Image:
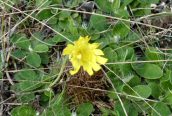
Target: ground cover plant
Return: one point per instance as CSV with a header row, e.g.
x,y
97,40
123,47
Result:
x,y
85,58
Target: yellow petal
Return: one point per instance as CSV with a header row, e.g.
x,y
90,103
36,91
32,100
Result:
x,y
82,41
88,69
87,38
96,67
72,72
101,60
75,62
98,52
68,49
94,45
76,65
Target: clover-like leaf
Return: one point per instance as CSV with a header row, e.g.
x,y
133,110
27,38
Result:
x,y
40,48
85,109
162,109
23,110
33,59
148,71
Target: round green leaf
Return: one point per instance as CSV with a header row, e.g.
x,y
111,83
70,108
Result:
x,y
23,111
19,53
148,71
168,98
108,54
152,54
134,81
165,85
121,29
33,59
162,109
85,109
21,41
98,22
143,90
156,92
27,80
41,48
44,58
26,74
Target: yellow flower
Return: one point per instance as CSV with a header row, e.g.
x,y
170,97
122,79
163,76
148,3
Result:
x,y
84,54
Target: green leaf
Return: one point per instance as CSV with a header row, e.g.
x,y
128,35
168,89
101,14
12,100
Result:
x,y
42,3
98,22
19,53
166,85
111,58
126,2
28,80
119,109
134,81
1,75
40,48
72,26
108,54
21,41
156,91
57,39
63,15
85,109
105,5
167,76
168,98
162,109
143,90
121,29
23,110
26,97
148,71
103,41
107,112
25,74
148,1
116,4
33,59
133,111
44,58
154,54
44,14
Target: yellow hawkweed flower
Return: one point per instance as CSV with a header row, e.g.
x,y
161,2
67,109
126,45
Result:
x,y
84,54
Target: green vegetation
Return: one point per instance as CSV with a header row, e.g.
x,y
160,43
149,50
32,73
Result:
x,y
35,78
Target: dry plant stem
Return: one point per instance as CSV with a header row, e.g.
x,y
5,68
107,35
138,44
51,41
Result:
x,y
135,62
60,73
9,78
1,106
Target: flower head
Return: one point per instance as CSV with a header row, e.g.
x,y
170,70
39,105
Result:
x,y
86,55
